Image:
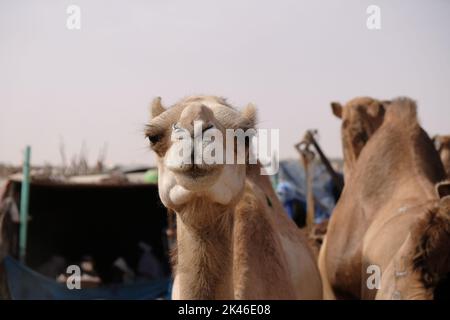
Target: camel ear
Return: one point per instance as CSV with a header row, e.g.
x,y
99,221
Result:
x,y
443,189
249,116
336,107
436,142
376,108
156,107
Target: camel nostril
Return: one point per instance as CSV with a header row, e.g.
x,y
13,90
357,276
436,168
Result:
x,y
176,128
210,126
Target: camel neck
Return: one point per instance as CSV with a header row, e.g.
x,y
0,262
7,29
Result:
x,y
205,252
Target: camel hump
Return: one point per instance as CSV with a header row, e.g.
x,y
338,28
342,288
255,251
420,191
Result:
x,y
443,190
403,109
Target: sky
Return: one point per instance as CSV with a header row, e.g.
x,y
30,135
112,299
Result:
x,y
290,58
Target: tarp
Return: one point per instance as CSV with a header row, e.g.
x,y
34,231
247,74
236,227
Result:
x,y
292,185
133,213
26,284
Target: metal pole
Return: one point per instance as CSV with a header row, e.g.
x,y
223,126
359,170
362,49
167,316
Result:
x,y
24,201
338,181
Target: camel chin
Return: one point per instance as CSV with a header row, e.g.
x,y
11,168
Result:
x,y
220,185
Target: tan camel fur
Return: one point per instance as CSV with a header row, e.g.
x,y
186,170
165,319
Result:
x,y
390,217
234,240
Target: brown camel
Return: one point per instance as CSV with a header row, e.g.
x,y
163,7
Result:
x,y
361,117
390,222
234,241
442,144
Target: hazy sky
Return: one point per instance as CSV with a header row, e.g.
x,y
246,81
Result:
x,y
291,58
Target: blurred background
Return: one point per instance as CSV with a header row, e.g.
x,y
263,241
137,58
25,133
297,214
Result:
x,y
79,98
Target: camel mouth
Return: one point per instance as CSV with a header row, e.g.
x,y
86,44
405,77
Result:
x,y
198,172
197,178
195,170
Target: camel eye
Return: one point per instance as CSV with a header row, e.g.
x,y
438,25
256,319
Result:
x,y
155,138
362,137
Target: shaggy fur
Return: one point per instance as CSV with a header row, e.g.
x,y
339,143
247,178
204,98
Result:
x,y
432,254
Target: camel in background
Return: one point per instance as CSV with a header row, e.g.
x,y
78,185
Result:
x,y
393,215
234,240
442,144
361,117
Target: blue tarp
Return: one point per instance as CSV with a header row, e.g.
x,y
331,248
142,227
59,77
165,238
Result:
x,y
292,186
26,284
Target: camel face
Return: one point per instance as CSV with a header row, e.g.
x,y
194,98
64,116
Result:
x,y
189,140
361,117
193,175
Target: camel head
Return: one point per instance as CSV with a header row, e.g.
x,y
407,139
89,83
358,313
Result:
x,y
442,144
361,117
190,142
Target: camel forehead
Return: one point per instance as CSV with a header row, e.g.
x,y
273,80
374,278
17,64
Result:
x,y
201,107
356,105
196,112
216,104
360,101
206,100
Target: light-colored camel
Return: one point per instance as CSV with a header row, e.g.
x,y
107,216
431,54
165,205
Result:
x,y
361,117
234,241
390,217
442,144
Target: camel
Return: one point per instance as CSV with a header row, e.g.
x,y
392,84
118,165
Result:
x,y
392,222
361,117
442,144
234,240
